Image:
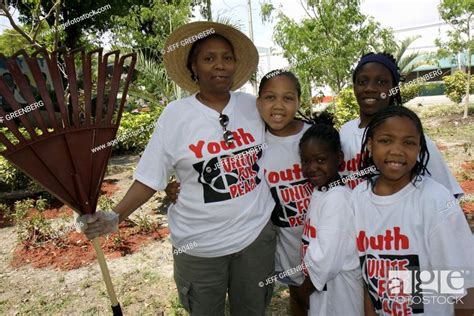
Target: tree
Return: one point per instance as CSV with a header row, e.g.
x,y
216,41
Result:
x,y
11,41
405,61
44,18
406,64
48,15
146,26
205,8
325,45
459,15
144,29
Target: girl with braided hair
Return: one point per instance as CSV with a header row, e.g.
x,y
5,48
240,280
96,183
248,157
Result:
x,y
333,275
407,226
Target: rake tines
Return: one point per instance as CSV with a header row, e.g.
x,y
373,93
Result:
x,y
55,116
54,132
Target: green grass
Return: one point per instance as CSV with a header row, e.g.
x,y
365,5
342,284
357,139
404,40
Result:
x,y
176,307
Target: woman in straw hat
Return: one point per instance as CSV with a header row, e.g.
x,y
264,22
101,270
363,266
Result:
x,y
213,140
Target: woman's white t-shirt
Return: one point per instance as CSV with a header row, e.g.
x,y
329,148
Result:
x,y
224,202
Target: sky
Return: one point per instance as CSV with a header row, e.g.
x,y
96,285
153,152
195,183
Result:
x,y
400,15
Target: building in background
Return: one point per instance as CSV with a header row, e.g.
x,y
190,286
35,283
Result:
x,y
435,86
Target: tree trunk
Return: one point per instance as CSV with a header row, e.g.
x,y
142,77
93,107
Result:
x,y
209,12
468,84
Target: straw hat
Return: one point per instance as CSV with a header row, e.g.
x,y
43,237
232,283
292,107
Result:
x,y
179,43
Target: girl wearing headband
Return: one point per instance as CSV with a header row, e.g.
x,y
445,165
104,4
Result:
x,y
376,78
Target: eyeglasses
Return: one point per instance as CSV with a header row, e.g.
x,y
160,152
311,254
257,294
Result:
x,y
228,136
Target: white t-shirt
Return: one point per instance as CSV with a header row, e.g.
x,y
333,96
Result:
x,y
351,141
292,194
223,203
330,253
420,229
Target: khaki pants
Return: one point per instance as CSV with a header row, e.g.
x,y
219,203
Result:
x,y
203,282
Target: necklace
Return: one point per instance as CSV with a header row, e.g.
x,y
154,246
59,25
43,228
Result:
x,y
217,108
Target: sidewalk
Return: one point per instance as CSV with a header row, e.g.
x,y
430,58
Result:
x,y
436,100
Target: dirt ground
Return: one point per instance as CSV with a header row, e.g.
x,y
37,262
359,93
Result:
x,y
143,280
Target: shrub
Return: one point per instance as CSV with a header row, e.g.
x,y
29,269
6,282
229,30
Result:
x,y
433,88
11,178
410,91
21,210
31,229
135,130
345,107
41,204
456,86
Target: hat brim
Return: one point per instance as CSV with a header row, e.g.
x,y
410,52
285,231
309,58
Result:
x,y
179,43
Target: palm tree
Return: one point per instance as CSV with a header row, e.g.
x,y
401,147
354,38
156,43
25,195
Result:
x,y
405,63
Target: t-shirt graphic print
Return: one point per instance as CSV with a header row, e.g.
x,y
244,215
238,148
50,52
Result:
x,y
377,270
229,176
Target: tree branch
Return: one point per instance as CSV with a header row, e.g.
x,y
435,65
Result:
x,y
56,21
45,17
17,28
304,8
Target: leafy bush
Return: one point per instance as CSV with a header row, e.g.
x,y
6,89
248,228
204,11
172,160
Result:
x,y
135,130
21,210
41,204
433,88
345,107
456,86
31,229
11,178
410,91
105,203
143,222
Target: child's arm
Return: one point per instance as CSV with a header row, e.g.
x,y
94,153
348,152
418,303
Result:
x,y
307,286
467,307
369,309
172,191
327,250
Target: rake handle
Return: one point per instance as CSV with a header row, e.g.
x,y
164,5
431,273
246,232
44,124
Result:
x,y
116,309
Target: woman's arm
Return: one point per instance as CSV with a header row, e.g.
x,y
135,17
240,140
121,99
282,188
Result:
x,y
103,222
136,196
